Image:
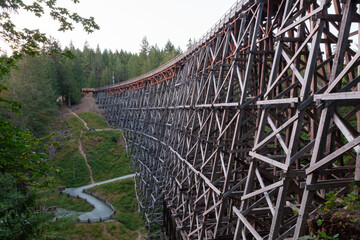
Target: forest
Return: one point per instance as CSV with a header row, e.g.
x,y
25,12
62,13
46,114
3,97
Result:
x,y
42,83
37,78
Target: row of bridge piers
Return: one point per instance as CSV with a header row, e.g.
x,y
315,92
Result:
x,y
243,135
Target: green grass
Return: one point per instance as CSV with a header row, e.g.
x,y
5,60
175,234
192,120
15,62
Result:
x,y
106,154
127,225
69,159
107,157
76,126
68,229
49,198
93,120
121,194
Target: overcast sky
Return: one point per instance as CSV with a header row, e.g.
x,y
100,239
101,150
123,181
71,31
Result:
x,y
124,23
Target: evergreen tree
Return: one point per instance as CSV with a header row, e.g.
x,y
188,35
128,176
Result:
x,y
106,77
88,66
98,66
32,87
74,78
169,52
134,66
154,59
23,164
191,42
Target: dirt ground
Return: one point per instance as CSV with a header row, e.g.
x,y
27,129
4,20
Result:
x,y
87,104
345,223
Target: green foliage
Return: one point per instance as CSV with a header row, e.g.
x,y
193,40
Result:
x,y
93,120
106,154
49,198
32,88
23,163
8,105
23,166
59,229
191,42
22,156
67,229
331,202
344,212
69,158
128,224
350,201
324,236
76,126
28,41
17,220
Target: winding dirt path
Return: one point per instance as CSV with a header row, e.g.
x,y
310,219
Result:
x,y
139,235
85,158
81,147
85,123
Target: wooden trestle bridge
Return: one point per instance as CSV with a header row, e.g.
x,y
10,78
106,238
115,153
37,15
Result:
x,y
243,135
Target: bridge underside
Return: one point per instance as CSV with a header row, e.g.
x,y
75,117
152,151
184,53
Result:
x,y
243,135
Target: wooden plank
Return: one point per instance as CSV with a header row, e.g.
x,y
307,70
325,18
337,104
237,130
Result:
x,y
301,20
278,136
262,190
332,157
328,184
269,161
344,130
247,224
278,101
274,133
273,84
337,96
342,74
293,68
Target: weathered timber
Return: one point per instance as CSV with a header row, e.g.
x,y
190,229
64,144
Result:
x,y
243,135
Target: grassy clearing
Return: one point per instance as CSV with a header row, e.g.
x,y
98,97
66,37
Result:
x,y
93,120
69,159
67,229
128,222
107,157
50,198
121,194
76,126
106,154
75,171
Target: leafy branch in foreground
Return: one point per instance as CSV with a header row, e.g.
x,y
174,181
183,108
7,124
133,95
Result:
x,y
23,162
22,155
29,41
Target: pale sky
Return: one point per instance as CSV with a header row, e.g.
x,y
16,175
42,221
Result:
x,y
124,23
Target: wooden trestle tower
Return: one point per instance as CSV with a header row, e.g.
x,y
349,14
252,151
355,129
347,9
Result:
x,y
243,135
